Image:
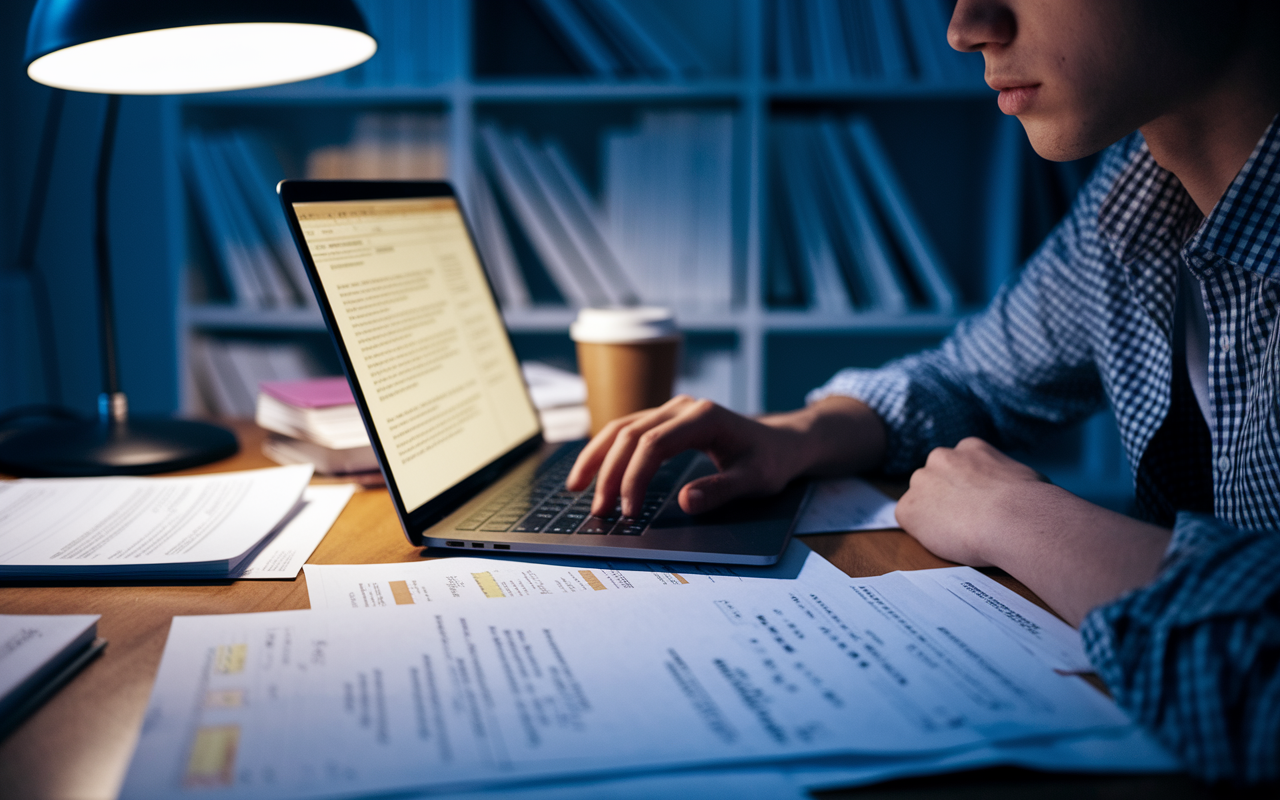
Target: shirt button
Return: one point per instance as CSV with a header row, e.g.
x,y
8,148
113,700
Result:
x,y
1224,463
1225,342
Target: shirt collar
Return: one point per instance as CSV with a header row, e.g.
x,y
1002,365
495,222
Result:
x,y
1244,227
1148,212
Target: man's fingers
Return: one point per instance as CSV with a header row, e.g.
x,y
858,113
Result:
x,y
621,451
713,491
693,427
589,460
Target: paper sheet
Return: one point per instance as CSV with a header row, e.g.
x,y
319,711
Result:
x,y
846,504
465,578
196,526
1128,749
283,555
1040,632
308,703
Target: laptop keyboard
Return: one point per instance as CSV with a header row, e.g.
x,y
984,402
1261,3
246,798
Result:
x,y
541,504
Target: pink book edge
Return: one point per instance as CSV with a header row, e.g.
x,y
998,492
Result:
x,y
311,393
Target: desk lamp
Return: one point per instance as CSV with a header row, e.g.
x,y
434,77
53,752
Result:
x,y
117,47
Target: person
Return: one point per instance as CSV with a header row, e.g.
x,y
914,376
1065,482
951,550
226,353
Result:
x,y
1158,294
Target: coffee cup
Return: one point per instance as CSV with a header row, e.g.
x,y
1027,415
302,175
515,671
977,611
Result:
x,y
627,357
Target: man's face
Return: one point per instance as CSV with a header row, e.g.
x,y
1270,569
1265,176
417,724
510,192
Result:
x,y
1081,74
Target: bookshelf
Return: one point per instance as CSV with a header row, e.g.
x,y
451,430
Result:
x,y
504,68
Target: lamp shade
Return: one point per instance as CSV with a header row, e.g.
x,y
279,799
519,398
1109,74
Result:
x,y
184,46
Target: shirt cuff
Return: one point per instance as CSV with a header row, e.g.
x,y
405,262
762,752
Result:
x,y
885,391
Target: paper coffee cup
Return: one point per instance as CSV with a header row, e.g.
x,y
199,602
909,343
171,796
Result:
x,y
627,357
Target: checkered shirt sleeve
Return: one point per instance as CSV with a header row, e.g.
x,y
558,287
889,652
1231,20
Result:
x,y
1194,656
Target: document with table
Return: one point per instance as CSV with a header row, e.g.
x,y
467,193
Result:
x,y
480,691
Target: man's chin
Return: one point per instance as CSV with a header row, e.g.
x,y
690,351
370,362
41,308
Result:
x,y
1053,143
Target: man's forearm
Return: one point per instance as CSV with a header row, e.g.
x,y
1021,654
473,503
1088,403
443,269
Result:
x,y
835,436
1074,555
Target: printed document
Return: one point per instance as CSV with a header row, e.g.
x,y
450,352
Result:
x,y
846,504
465,578
327,702
1038,631
197,526
283,555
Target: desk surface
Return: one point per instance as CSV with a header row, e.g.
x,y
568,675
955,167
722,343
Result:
x,y
79,744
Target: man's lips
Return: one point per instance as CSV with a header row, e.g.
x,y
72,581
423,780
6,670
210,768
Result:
x,y
1015,99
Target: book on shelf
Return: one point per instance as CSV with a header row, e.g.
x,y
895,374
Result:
x,y
621,39
417,45
830,41
663,234
226,371
38,655
847,234
232,175
385,146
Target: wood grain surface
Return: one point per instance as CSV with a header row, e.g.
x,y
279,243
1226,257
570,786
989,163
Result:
x,y
78,745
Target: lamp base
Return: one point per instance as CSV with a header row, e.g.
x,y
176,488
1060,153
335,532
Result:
x,y
142,446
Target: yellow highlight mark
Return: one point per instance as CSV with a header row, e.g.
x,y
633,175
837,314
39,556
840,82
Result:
x,y
224,698
400,591
230,658
592,580
213,756
679,577
487,584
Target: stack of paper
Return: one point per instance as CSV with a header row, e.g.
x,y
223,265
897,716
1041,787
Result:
x,y
202,526
485,673
561,399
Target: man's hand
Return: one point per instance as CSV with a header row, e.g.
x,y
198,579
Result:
x,y
959,499
755,457
974,505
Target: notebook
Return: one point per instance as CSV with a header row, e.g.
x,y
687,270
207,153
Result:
x,y
435,376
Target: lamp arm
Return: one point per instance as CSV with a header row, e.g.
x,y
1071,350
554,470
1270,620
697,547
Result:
x,y
111,403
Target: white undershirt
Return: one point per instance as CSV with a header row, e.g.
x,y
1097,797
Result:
x,y
1196,340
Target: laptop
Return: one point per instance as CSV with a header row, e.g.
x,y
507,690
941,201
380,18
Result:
x,y
436,379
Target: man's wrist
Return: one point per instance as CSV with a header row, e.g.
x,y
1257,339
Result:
x,y
835,435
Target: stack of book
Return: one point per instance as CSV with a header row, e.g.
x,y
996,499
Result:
x,y
829,41
848,238
663,234
622,39
316,421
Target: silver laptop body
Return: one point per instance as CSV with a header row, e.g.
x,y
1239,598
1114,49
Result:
x,y
435,376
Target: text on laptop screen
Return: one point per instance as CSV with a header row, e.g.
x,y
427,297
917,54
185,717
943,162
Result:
x,y
425,340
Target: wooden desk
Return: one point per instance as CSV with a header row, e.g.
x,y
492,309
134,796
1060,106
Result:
x,y
79,744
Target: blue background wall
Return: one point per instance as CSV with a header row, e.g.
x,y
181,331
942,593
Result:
x,y
145,289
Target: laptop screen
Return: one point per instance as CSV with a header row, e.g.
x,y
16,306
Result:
x,y
426,342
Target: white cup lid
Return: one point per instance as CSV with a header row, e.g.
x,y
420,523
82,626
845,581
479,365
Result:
x,y
623,325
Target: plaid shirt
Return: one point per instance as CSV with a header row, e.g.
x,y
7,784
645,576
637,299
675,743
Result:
x,y
1089,322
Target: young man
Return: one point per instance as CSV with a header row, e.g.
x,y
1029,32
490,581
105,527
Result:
x,y
1159,294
